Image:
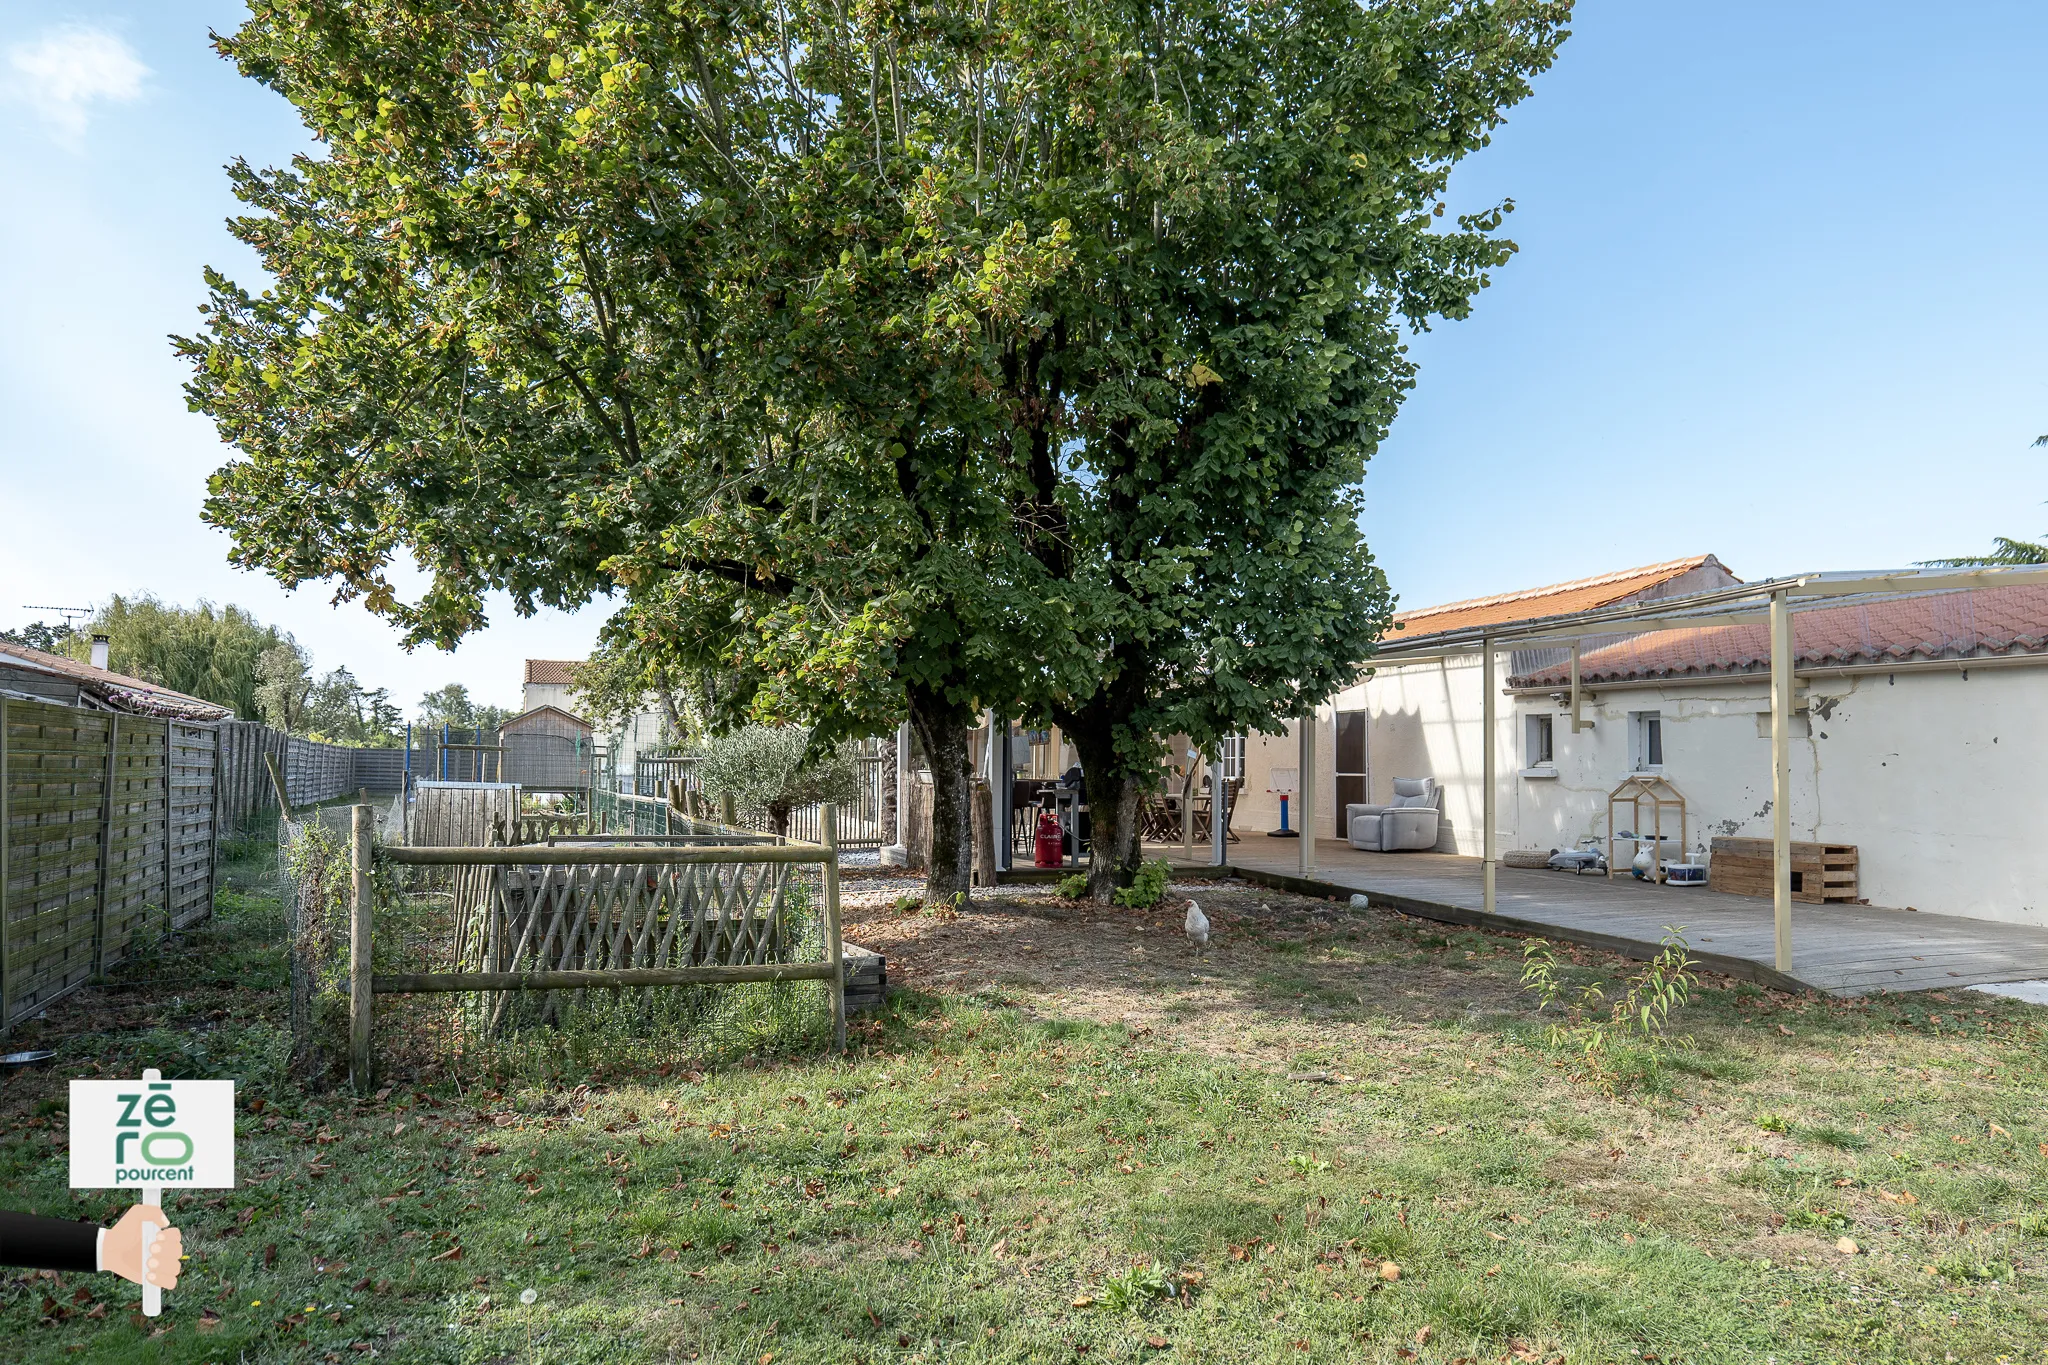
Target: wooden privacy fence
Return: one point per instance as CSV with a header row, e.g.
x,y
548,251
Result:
x,y
313,772
107,841
593,914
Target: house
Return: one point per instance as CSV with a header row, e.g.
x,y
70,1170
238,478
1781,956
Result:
x,y
33,675
548,682
551,683
1917,732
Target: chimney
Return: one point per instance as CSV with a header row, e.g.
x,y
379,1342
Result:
x,y
99,651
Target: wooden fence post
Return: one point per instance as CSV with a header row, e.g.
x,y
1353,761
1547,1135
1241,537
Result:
x,y
835,951
99,917
284,802
729,810
359,953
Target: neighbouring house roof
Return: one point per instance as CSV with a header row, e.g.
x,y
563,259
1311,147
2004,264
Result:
x,y
1557,599
1970,623
540,713
552,672
116,691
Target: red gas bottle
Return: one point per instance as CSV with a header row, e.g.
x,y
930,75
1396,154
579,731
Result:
x,y
1050,848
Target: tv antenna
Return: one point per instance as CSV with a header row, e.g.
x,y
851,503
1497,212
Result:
x,y
68,613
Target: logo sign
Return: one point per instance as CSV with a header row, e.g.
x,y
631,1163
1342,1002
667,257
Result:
x,y
175,1134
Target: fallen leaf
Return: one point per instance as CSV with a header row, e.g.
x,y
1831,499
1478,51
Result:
x,y
1846,1245
1156,1343
1083,1300
451,1254
1422,1335
1389,1271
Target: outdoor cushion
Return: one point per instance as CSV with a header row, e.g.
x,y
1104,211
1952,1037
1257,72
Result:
x,y
1362,827
1407,830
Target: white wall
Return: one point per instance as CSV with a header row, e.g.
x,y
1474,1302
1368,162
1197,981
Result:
x,y
535,695
1940,779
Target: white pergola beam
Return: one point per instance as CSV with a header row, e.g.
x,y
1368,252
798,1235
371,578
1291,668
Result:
x,y
1306,796
1781,777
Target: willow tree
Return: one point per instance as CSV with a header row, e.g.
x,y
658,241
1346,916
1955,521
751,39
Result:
x,y
902,358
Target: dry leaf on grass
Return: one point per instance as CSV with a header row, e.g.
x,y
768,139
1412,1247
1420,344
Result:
x,y
1389,1271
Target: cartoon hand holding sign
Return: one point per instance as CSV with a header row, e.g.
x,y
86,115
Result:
x,y
148,1134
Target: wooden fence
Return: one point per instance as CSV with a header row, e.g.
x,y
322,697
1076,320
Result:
x,y
313,772
108,827
462,814
601,916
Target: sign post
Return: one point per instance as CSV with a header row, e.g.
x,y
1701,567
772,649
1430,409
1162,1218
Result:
x,y
151,1133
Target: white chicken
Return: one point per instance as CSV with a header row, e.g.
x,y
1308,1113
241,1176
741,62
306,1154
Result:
x,y
1197,926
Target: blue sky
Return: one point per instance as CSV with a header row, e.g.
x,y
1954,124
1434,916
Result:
x,y
1781,296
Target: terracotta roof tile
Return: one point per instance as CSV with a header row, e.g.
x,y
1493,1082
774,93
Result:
x,y
1965,624
551,672
1530,604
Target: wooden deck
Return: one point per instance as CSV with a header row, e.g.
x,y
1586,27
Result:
x,y
1840,949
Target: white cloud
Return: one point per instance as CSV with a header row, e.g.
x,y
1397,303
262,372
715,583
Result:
x,y
63,73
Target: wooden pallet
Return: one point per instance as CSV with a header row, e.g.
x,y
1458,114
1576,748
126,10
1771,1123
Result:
x,y
1820,872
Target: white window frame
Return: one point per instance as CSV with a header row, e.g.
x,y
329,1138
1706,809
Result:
x,y
1232,753
1646,741
1539,732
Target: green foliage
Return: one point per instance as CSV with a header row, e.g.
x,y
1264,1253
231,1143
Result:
x,y
1146,888
202,651
1074,886
776,770
1635,1023
2005,550
340,710
1134,1289
623,675
454,707
1027,356
50,639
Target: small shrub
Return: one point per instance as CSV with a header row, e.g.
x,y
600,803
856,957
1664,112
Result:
x,y
1774,1123
1146,888
1073,888
909,905
1634,1024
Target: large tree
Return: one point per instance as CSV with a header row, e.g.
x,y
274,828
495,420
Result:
x,y
203,650
1261,221
864,350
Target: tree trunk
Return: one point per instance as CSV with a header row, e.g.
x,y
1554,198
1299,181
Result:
x,y
1113,799
942,729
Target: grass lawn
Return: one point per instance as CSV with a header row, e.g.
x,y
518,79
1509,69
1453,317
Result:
x,y
1068,1139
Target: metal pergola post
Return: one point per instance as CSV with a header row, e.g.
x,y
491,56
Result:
x,y
1218,811
1486,747
1781,775
1305,797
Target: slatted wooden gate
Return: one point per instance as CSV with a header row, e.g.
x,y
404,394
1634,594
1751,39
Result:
x,y
594,914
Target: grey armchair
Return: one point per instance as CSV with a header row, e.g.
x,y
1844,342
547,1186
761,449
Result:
x,y
1409,822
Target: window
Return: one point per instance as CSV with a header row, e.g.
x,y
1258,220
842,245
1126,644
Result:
x,y
1537,736
1646,745
1233,758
